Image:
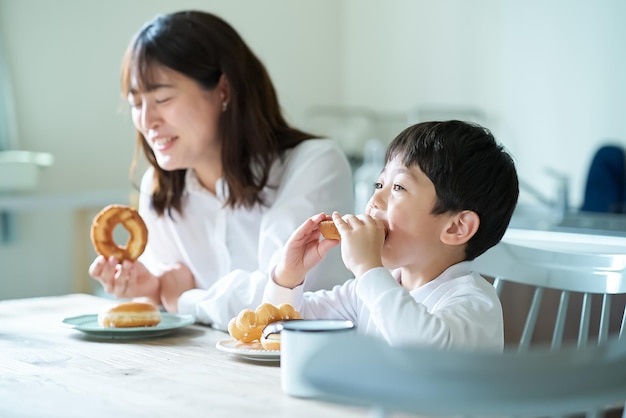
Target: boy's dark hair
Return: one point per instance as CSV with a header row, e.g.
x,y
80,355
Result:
x,y
470,171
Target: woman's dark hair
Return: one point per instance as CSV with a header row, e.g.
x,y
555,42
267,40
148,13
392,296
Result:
x,y
470,171
253,131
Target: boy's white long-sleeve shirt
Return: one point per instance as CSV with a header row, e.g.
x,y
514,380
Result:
x,y
457,309
230,251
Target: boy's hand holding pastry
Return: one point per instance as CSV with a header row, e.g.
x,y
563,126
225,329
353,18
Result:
x,y
303,251
362,240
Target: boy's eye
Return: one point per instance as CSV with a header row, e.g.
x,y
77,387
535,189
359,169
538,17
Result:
x,y
397,187
378,185
162,100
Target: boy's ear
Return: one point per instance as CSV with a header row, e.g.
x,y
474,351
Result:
x,y
461,228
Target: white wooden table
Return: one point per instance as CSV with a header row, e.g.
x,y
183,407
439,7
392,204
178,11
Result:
x,y
47,370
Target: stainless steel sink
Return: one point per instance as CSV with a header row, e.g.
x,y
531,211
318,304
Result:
x,y
589,223
593,222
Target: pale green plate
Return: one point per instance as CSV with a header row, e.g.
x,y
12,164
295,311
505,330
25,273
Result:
x,y
89,325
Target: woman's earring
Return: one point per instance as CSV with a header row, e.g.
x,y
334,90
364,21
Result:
x,y
224,105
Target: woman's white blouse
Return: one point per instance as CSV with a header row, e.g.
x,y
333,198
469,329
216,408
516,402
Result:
x,y
230,251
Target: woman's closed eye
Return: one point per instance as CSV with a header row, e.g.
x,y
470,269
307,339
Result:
x,y
134,101
163,100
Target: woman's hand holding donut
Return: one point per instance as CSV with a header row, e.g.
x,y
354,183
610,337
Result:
x,y
362,239
127,279
116,267
303,251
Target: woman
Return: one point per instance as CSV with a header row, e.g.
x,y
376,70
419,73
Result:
x,y
229,180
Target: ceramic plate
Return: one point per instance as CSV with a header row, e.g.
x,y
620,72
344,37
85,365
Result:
x,y
252,351
89,325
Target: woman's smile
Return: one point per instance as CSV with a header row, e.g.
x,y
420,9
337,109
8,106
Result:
x,y
162,144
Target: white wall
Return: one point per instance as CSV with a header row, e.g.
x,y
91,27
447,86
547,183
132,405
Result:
x,y
548,75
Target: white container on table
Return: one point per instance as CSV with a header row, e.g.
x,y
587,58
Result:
x,y
301,339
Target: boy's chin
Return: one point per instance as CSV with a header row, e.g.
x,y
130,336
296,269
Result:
x,y
389,264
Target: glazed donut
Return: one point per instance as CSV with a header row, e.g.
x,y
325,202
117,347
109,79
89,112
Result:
x,y
129,314
329,230
102,232
248,325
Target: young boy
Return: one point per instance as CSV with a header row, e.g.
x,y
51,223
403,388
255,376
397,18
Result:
x,y
445,196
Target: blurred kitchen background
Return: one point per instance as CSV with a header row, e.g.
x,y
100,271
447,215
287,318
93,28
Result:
x,y
548,78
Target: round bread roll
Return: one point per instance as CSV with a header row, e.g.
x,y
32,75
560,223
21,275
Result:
x,y
129,314
329,230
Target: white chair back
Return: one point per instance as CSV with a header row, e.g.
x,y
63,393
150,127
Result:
x,y
575,274
359,370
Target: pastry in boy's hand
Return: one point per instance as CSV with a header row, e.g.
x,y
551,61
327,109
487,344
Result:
x,y
329,230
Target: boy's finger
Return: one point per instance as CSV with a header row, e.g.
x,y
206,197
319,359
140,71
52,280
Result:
x,y
338,218
319,217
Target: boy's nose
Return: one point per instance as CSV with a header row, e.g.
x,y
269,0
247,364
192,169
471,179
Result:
x,y
376,201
